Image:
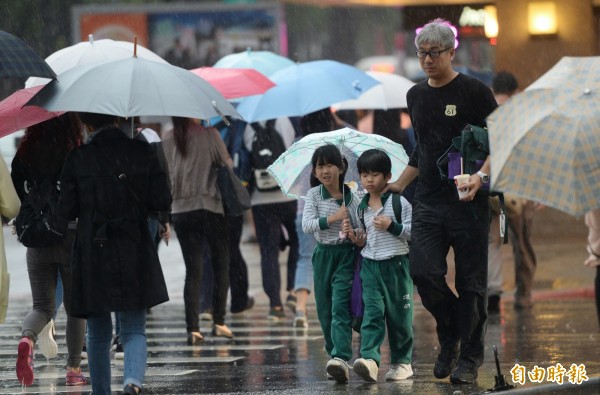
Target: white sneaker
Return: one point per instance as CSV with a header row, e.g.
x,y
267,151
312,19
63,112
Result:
x,y
399,372
46,342
367,369
338,369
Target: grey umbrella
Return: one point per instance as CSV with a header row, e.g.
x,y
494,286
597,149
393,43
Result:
x,y
133,87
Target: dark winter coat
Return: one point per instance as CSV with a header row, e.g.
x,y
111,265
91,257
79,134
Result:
x,y
114,263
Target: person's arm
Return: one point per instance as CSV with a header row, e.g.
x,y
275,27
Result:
x,y
407,176
592,220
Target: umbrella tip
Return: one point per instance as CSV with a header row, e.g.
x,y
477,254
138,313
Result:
x,y
587,91
91,38
356,85
135,46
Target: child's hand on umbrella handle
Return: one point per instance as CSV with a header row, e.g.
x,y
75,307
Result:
x,y
359,237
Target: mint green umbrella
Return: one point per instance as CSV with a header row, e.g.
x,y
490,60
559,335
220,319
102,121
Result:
x,y
293,168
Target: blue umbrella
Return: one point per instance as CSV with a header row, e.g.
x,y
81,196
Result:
x,y
265,62
303,88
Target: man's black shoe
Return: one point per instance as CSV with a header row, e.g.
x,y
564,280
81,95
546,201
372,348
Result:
x,y
464,374
445,362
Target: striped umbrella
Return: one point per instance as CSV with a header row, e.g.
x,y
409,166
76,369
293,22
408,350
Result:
x,y
545,141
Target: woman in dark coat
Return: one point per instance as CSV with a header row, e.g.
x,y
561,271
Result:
x,y
111,184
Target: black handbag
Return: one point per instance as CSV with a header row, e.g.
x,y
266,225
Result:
x,y
234,195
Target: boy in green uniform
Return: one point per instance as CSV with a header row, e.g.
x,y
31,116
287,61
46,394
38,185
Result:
x,y
386,281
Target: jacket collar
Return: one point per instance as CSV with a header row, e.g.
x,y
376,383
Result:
x,y
347,194
364,203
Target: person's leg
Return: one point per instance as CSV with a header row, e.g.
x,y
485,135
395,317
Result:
x,y
524,254
287,214
495,278
75,333
341,284
42,279
238,270
323,274
98,348
133,337
191,247
216,232
268,233
398,300
469,225
428,268
372,330
207,285
304,272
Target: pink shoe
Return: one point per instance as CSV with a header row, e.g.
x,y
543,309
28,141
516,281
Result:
x,y
25,362
75,377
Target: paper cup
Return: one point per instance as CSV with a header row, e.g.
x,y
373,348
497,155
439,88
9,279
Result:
x,y
460,180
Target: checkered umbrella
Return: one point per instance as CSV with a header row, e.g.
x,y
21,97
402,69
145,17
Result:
x,y
545,141
17,59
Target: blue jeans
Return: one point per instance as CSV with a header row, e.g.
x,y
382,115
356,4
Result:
x,y
269,220
133,338
304,268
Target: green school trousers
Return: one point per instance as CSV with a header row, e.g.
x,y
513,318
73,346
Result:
x,y
333,267
387,294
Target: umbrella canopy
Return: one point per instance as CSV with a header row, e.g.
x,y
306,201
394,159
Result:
x,y
303,88
133,87
265,62
391,93
13,116
544,141
17,59
92,51
235,83
293,168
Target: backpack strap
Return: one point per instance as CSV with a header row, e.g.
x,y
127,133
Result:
x,y
397,206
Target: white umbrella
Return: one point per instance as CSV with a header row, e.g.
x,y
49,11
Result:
x,y
133,87
391,93
92,51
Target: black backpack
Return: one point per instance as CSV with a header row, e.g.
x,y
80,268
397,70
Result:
x,y
267,146
36,224
396,205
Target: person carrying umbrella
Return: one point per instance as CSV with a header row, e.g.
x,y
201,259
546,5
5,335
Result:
x,y
110,185
439,108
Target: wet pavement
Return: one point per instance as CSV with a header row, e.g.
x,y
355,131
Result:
x,y
275,358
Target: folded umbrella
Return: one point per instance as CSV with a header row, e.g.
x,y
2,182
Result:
x,y
17,59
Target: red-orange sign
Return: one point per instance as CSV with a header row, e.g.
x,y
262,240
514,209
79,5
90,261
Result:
x,y
116,26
